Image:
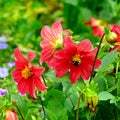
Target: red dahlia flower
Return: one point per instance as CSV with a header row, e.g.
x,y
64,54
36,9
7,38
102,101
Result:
x,y
97,26
78,59
26,75
52,41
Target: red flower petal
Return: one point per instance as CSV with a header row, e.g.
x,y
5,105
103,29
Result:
x,y
19,57
39,84
46,34
74,73
69,46
93,22
114,48
61,68
20,65
61,63
87,60
31,55
17,76
59,54
98,31
85,46
98,63
38,71
44,44
46,54
66,32
116,29
57,29
85,71
24,86
32,89
93,52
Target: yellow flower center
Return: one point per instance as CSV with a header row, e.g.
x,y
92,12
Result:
x,y
57,42
76,59
26,73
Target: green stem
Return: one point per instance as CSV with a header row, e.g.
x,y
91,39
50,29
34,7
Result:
x,y
77,111
71,102
20,112
44,80
117,67
42,106
96,57
116,78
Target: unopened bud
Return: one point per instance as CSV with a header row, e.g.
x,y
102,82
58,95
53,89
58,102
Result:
x,y
88,100
95,101
93,109
111,37
90,107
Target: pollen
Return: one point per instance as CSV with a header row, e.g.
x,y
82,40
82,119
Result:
x,y
26,73
57,42
53,44
76,59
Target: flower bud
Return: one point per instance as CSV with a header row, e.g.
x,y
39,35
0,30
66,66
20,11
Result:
x,y
88,100
91,97
95,100
93,109
111,37
90,107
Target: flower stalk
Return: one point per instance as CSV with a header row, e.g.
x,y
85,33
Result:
x,y
77,111
42,106
20,112
96,57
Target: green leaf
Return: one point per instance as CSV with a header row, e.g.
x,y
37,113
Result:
x,y
105,12
113,101
100,80
53,94
57,110
105,96
55,105
68,104
107,60
110,80
85,14
113,7
22,105
51,115
51,76
72,2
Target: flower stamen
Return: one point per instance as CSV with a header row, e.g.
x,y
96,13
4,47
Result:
x,y
76,59
26,73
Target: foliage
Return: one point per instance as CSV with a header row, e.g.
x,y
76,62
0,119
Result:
x,y
21,22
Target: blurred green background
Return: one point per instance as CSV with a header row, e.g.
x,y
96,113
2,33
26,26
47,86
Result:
x,y
22,20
